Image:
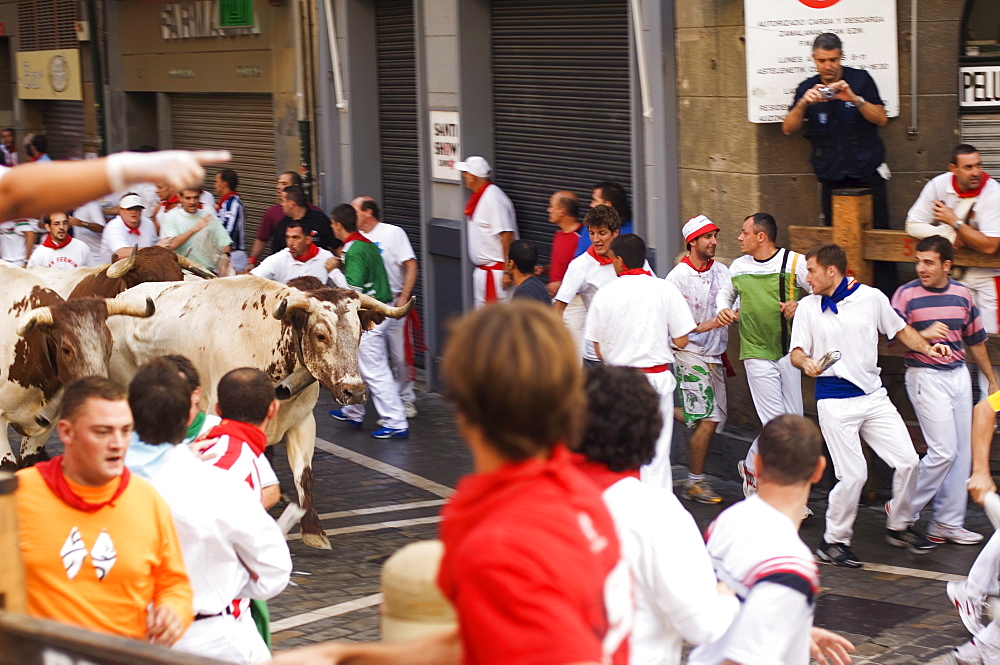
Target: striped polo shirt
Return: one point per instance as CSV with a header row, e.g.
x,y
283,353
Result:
x,y
952,305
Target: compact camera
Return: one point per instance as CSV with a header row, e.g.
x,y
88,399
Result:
x,y
826,92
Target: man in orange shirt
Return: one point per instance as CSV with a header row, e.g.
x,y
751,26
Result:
x,y
99,546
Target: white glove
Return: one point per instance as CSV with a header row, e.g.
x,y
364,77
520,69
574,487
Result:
x,y
177,168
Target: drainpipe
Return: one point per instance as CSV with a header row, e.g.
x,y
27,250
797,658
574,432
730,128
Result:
x,y
305,140
98,76
912,131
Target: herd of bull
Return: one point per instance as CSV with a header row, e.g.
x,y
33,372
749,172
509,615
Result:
x,y
110,320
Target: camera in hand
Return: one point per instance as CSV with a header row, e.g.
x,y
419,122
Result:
x,y
826,92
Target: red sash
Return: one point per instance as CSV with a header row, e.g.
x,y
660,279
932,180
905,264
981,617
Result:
x,y
655,369
491,285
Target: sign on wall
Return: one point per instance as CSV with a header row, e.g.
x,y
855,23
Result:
x,y
779,36
445,146
979,86
48,74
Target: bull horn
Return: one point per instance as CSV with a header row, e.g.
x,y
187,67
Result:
x,y
292,302
50,411
120,268
40,316
120,307
194,268
367,302
294,383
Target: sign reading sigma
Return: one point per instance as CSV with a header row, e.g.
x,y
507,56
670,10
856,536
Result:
x,y
190,20
779,36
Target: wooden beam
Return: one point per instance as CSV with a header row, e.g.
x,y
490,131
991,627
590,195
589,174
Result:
x,y
13,596
883,245
803,238
852,216
897,350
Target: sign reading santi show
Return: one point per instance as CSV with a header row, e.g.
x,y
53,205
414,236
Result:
x,y
445,146
779,36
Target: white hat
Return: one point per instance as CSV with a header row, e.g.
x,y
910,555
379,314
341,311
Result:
x,y
131,201
477,166
413,605
698,226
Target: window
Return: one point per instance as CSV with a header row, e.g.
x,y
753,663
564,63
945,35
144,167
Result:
x,y
981,30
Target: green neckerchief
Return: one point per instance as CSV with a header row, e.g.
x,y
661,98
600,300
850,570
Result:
x,y
195,426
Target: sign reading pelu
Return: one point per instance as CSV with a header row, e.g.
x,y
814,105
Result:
x,y
979,86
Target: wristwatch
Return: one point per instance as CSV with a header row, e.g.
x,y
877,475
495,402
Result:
x,y
958,223
861,102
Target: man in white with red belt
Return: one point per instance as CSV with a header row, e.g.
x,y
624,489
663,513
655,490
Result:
x,y
491,228
631,322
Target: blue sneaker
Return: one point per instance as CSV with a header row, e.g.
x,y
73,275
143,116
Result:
x,y
389,433
338,414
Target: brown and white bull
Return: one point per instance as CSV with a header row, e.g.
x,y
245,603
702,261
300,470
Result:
x,y
247,321
149,264
46,343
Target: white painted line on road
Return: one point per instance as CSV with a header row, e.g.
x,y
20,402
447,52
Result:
x,y
442,491
326,612
378,526
910,572
410,505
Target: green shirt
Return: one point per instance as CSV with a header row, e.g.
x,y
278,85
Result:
x,y
364,270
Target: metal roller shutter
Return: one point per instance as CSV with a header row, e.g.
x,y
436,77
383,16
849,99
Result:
x,y
561,102
242,124
64,128
983,131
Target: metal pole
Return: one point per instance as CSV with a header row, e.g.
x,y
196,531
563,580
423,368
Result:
x,y
98,75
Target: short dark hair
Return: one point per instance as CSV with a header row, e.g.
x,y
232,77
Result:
x,y
570,205
828,255
47,219
603,217
346,216
623,418
964,149
631,249
370,204
524,255
245,394
615,194
789,447
296,195
229,177
938,244
78,392
827,41
39,143
196,190
185,367
160,402
764,223
295,177
298,224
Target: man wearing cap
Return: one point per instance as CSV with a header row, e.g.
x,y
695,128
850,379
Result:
x,y
128,229
701,376
59,249
491,229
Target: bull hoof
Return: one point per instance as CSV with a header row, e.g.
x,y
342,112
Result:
x,y
8,464
31,460
317,540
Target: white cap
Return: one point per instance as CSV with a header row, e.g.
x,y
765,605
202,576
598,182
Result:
x,y
131,201
475,165
413,605
698,226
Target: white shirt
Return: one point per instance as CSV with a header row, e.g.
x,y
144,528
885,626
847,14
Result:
x,y
12,242
239,460
757,553
283,267
701,290
494,214
116,235
853,331
396,249
676,598
98,212
633,319
75,254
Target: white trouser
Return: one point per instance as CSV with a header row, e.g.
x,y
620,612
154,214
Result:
x,y
373,364
776,389
942,399
985,570
224,638
479,286
575,319
658,472
988,641
843,422
982,283
395,342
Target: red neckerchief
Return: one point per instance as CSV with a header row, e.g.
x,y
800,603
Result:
x,y
972,192
168,204
470,207
602,260
708,266
226,197
600,473
635,271
310,253
51,244
51,472
36,157
251,434
356,235
134,231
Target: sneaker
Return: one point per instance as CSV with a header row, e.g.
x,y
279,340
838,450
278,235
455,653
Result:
x,y
970,609
411,410
838,554
701,492
939,533
967,654
749,480
806,512
389,433
338,414
911,539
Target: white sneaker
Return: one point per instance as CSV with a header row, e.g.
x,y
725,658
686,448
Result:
x,y
749,480
806,512
970,609
967,654
938,533
411,409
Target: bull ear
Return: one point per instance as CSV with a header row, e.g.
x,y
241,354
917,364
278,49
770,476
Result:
x,y
369,318
40,316
295,300
119,269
